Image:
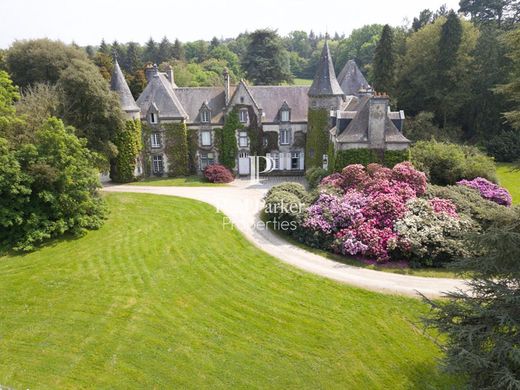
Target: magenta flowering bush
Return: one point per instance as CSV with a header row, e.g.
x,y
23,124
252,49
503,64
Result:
x,y
334,180
489,190
446,206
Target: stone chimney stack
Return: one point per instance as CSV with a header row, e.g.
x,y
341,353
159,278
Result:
x,y
226,85
378,109
149,71
169,75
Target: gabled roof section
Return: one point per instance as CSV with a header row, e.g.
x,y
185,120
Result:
x,y
160,91
194,99
242,90
271,98
325,82
351,79
118,84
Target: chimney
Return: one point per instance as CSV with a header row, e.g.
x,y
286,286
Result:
x,y
149,71
169,75
226,85
378,111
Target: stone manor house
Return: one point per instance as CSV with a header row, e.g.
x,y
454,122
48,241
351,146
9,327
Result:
x,y
359,118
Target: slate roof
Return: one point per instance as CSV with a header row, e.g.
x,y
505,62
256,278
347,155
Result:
x,y
271,98
118,84
192,99
357,129
351,78
159,90
325,82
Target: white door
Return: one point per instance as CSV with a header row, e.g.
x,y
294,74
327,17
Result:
x,y
244,164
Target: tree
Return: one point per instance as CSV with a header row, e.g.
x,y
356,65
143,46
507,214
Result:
x,y
449,43
425,17
482,324
104,48
150,51
196,51
40,61
48,188
133,61
178,51
118,51
165,51
88,104
502,12
9,122
384,62
511,90
266,62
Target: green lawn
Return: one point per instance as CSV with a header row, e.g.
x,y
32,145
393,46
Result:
x,y
162,297
189,181
510,179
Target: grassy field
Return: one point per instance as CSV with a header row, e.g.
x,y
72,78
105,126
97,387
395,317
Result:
x,y
163,297
510,179
189,181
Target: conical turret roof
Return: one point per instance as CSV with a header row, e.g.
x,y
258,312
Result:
x,y
118,84
351,79
325,82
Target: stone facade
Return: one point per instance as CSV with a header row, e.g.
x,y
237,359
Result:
x,y
357,120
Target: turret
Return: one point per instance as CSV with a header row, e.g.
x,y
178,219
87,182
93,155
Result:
x,y
118,84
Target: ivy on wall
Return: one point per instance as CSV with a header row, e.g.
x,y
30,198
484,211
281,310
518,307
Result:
x,y
145,154
193,144
227,141
176,148
317,137
128,143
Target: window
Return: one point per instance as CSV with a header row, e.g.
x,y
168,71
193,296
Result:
x,y
241,99
204,116
285,137
156,140
243,140
153,117
205,138
284,116
295,160
158,166
206,159
243,116
276,160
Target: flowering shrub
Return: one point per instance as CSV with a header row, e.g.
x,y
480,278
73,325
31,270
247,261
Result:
x,y
384,214
218,174
488,190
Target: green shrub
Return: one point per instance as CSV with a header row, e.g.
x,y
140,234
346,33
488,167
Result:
x,y
294,188
48,188
446,163
283,206
471,204
314,176
355,156
394,157
505,146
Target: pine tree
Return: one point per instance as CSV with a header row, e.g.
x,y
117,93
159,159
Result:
x,y
150,51
511,90
178,51
482,324
117,51
164,52
384,61
449,43
133,58
103,47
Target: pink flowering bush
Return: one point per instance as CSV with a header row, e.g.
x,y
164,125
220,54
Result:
x,y
488,190
334,180
446,206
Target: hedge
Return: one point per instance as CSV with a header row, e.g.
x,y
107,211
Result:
x,y
388,158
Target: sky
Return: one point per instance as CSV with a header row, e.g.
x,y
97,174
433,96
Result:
x,y
87,22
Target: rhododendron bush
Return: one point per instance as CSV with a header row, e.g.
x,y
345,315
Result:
x,y
381,214
488,190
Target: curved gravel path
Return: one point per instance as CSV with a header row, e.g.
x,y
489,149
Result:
x,y
241,203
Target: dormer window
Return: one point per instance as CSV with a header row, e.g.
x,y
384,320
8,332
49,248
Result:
x,y
242,116
204,116
153,118
284,116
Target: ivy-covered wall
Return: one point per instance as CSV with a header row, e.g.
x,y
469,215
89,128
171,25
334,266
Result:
x,y
176,148
193,144
387,158
317,137
227,141
128,143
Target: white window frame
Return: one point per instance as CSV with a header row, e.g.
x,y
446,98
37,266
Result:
x,y
158,164
243,139
284,116
297,156
204,116
286,139
153,118
206,159
205,138
155,140
243,116
276,160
